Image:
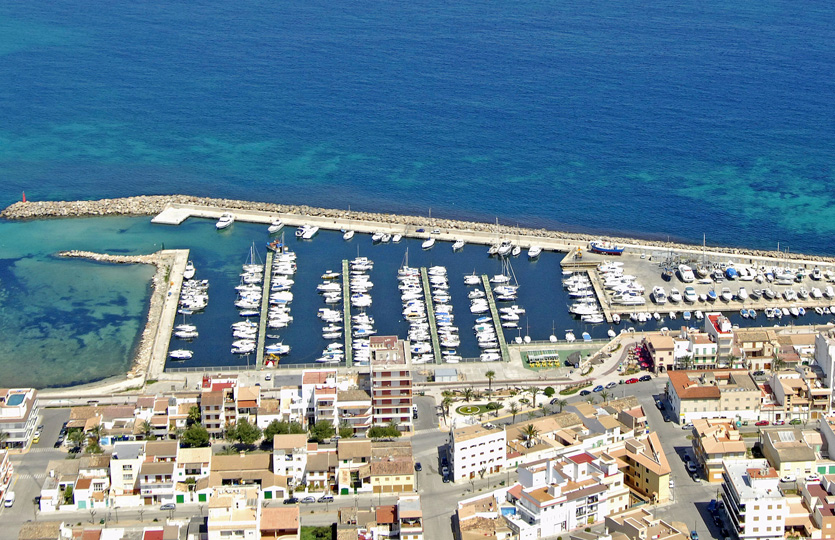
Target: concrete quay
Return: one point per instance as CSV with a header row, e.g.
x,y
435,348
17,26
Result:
x,y
265,308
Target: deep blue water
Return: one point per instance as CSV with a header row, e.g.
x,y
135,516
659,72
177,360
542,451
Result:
x,y
654,119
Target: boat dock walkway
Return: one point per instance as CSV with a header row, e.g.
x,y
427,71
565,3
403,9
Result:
x,y
265,308
168,314
430,312
346,313
497,321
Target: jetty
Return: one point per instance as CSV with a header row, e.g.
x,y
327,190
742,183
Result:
x,y
346,313
430,313
497,320
265,307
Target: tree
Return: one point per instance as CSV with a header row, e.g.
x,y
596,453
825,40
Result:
x,y
345,431
445,404
195,436
490,376
549,392
193,416
145,429
76,436
529,432
604,396
562,403
533,391
243,432
468,394
778,364
590,399
514,410
68,498
280,427
322,430
545,409
382,432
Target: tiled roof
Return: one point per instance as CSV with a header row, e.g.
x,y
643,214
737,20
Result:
x,y
688,389
281,518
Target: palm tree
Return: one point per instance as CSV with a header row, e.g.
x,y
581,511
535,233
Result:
x,y
533,391
529,432
468,394
544,408
490,376
562,403
604,395
514,410
445,403
590,399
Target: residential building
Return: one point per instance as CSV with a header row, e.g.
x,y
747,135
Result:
x,y
19,412
353,408
825,356
280,523
314,380
125,465
661,349
788,452
476,448
713,394
758,347
211,413
754,504
392,467
826,427
644,465
716,440
192,463
320,471
290,456
234,513
720,330
354,468
640,524
390,383
801,393
481,518
554,496
156,482
61,475
400,521
630,413
245,470
409,517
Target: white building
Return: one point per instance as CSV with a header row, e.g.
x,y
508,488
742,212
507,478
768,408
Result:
x,y
125,464
290,456
476,448
18,416
825,356
755,506
555,496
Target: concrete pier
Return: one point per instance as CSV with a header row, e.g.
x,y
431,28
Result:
x,y
430,313
265,308
168,314
497,320
346,314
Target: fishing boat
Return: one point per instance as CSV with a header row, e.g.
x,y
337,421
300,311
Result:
x,y
605,248
225,220
275,226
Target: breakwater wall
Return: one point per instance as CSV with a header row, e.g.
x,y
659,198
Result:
x,y
147,205
152,345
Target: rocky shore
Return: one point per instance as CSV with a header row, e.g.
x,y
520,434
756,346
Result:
x,y
163,261
153,204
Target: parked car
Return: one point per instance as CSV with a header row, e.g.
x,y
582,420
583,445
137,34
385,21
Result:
x,y
291,500
779,423
268,377
326,498
694,535
762,423
168,506
711,506
759,373
672,483
691,467
446,479
796,422
445,470
611,385
584,392
418,466
598,388
789,478
813,477
554,401
308,500
645,378
633,380
659,404
689,425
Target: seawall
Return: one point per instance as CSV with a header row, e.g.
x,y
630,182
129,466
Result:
x,y
147,205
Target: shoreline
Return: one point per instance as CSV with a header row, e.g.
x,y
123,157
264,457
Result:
x,y
149,205
143,364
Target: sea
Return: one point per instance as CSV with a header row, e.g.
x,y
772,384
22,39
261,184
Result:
x,y
670,120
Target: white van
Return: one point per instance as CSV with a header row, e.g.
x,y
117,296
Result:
x,y
9,500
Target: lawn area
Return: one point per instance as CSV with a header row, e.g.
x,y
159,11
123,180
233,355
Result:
x,y
316,533
471,409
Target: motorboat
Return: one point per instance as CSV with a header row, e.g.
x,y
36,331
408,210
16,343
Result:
x,y
534,252
516,251
189,271
504,248
225,220
396,238
377,237
675,295
659,296
347,235
689,294
306,232
726,294
742,294
428,243
685,274
181,354
275,226
458,245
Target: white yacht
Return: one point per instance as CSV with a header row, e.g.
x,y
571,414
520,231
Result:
x,y
189,271
275,226
742,294
348,235
659,296
685,273
675,295
225,220
377,237
396,238
534,252
428,243
459,244
181,354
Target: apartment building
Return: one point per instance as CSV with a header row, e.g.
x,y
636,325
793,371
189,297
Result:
x,y
19,410
290,456
318,384
476,448
392,467
400,521
661,349
824,356
555,496
644,465
720,329
640,524
788,451
353,408
754,504
234,513
390,383
280,523
801,394
125,465
716,440
713,394
758,347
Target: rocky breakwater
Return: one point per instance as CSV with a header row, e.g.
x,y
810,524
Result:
x,y
163,260
153,204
